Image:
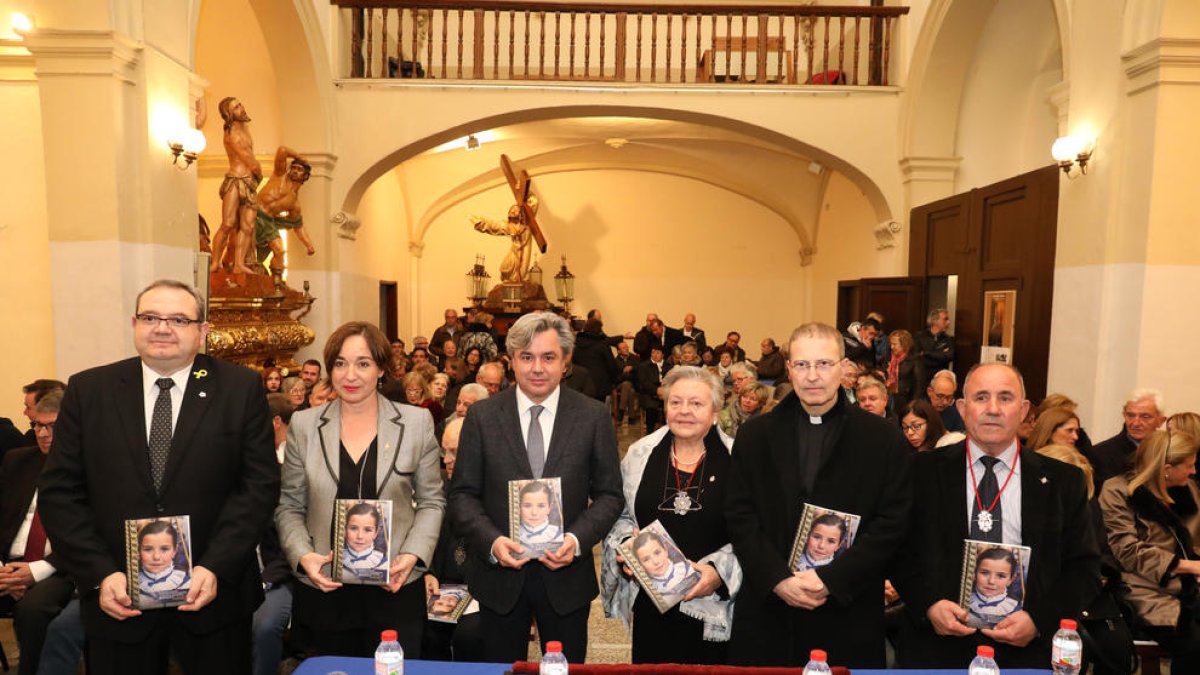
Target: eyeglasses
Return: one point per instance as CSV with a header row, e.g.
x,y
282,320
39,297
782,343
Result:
x,y
942,397
822,366
913,428
38,426
152,320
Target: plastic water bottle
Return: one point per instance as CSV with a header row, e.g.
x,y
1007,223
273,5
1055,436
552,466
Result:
x,y
554,662
389,655
1066,652
984,662
817,663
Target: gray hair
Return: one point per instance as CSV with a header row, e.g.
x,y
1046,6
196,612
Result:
x,y
179,286
479,390
743,367
521,333
1153,395
871,383
945,374
695,374
934,314
289,382
816,329
453,428
977,366
50,402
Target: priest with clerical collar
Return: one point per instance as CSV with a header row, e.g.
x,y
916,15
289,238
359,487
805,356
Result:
x,y
814,448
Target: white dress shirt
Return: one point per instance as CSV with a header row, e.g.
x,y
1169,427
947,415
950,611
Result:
x,y
545,419
150,394
40,569
1010,497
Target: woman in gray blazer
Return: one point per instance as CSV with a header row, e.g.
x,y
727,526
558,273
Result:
x,y
360,446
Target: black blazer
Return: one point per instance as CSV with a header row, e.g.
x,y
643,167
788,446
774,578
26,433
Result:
x,y
866,474
1064,568
18,481
491,452
221,472
647,380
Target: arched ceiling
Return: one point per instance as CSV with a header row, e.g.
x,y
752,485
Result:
x,y
786,182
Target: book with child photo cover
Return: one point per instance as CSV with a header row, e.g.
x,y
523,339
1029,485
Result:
x,y
449,603
993,581
535,515
822,536
158,561
660,568
362,535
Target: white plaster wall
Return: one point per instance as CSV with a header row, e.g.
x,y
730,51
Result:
x,y
1007,125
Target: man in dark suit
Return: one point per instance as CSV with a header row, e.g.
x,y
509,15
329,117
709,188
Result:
x,y
627,364
30,586
962,492
10,436
121,451
536,429
653,333
736,353
815,448
1143,413
649,379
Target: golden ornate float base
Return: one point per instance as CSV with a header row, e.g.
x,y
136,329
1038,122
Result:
x,y
253,323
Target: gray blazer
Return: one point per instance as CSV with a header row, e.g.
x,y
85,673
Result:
x,y
408,472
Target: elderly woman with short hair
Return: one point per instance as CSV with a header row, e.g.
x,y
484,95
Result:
x,y
677,476
750,403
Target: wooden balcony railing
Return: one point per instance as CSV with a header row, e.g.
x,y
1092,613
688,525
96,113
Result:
x,y
592,42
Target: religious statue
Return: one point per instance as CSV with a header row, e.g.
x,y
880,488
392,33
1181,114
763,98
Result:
x,y
515,266
239,190
279,209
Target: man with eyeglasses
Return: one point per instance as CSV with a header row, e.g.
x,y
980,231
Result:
x,y
171,432
816,448
934,344
33,392
1143,412
31,588
941,394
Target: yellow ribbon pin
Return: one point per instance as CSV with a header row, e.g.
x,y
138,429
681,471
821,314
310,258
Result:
x,y
200,373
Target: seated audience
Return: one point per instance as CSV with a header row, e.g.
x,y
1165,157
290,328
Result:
x,y
1143,412
322,393
293,387
456,369
1152,515
722,368
627,363
417,392
438,388
31,588
1083,443
471,393
273,380
860,341
771,367
736,353
473,356
1187,422
1057,426
649,381
747,405
851,371
921,424
741,375
872,396
940,392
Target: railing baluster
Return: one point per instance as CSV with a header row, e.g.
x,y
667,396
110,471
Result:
x,y
857,42
654,47
699,39
639,48
670,27
557,41
383,69
571,48
795,47
542,46
428,69
445,39
477,51
370,43
399,41
460,44
745,44
587,44
808,49
842,46
619,48
887,48
603,27
526,72
825,51
495,44
728,46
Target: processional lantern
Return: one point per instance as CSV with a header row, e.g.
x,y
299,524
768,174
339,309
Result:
x,y
477,282
564,286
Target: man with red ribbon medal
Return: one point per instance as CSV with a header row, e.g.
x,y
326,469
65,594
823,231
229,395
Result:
x,y
990,489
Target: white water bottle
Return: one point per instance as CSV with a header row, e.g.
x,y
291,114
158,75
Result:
x,y
817,663
389,655
1066,652
984,662
554,662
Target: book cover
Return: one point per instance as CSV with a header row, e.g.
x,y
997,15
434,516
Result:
x,y
993,581
158,561
535,516
660,568
449,603
362,533
822,536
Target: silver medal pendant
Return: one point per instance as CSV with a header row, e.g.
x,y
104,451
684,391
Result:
x,y
682,503
984,521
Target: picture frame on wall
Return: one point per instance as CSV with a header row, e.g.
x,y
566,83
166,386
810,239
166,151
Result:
x,y
999,324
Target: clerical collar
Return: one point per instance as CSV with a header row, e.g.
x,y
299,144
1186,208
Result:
x,y
829,414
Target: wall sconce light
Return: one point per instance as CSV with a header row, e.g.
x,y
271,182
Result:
x,y
564,286
187,148
1071,150
21,23
472,143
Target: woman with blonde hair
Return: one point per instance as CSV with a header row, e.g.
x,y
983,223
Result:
x,y
1055,426
1152,515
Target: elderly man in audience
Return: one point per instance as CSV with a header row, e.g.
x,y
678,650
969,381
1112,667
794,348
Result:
x,y
450,330
814,448
644,336
963,491
689,333
872,396
627,363
649,384
736,353
941,394
31,588
1143,412
934,345
770,367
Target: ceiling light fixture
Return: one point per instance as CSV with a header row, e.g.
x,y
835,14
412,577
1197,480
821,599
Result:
x,y
472,143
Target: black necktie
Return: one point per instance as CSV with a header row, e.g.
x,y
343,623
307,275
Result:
x,y
988,490
160,431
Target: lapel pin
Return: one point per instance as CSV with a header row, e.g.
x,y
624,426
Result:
x,y
712,479
200,373
203,394
1045,480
